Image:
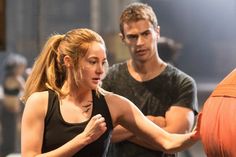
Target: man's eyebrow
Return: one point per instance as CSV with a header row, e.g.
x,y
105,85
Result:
x,y
131,35
146,31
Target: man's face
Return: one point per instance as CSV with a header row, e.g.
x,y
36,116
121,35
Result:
x,y
141,39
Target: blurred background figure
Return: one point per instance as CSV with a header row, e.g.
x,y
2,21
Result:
x,y
12,87
169,49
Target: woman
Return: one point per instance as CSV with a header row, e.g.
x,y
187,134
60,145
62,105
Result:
x,y
68,114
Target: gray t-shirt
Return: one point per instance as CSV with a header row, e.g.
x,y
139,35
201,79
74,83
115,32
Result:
x,y
152,97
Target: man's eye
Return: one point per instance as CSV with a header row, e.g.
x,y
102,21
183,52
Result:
x,y
145,33
132,37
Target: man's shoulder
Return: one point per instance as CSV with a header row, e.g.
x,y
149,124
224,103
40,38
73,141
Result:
x,y
176,72
118,66
117,74
117,69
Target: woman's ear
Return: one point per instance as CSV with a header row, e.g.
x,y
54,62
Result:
x,y
67,61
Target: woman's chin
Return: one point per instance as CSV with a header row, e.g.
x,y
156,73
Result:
x,y
94,86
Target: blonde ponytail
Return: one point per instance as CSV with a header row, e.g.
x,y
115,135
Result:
x,y
46,73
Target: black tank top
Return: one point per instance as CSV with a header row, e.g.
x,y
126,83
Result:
x,y
57,132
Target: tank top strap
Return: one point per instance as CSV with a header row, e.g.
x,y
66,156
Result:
x,y
52,105
100,107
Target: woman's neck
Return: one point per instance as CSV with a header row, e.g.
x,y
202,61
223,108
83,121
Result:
x,y
75,93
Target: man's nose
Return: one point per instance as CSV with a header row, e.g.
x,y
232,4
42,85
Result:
x,y
140,40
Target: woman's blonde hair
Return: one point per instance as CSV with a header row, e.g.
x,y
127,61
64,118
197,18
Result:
x,y
49,71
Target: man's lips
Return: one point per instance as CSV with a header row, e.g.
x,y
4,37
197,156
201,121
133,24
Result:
x,y
141,51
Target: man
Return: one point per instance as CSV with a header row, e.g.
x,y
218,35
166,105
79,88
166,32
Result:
x,y
166,95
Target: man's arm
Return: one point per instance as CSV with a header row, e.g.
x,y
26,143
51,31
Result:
x,y
178,120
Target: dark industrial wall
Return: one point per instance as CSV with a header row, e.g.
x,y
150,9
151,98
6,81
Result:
x,y
207,31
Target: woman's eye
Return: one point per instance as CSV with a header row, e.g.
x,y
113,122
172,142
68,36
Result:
x,y
104,63
92,62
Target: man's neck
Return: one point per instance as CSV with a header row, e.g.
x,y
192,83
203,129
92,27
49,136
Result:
x,y
146,66
143,71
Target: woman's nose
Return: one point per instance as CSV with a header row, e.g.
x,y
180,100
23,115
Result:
x,y
100,69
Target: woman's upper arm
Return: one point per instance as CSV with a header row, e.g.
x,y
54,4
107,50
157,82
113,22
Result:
x,y
32,126
125,113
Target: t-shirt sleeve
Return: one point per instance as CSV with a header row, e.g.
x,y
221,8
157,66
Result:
x,y
187,93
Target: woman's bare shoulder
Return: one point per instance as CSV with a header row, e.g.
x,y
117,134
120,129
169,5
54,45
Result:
x,y
37,104
112,98
37,100
38,96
